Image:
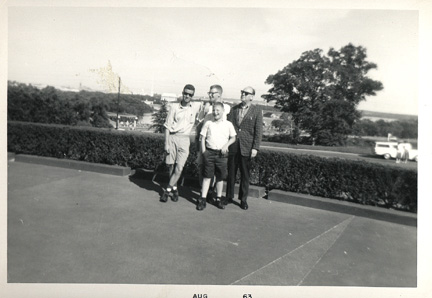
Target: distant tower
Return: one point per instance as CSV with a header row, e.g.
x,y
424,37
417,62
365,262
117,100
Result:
x,y
80,87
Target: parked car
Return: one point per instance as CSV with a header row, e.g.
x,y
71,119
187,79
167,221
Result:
x,y
389,150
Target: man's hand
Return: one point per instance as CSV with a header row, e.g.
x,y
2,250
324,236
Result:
x,y
167,148
207,107
254,153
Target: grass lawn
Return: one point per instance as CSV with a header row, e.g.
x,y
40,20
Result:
x,y
350,149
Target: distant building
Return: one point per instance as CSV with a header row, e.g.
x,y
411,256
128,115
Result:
x,y
157,107
170,97
374,119
148,102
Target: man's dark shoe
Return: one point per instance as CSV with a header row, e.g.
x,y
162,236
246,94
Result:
x,y
219,203
244,205
201,204
165,196
228,201
175,195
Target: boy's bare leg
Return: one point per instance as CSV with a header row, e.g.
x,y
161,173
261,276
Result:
x,y
219,188
205,186
204,189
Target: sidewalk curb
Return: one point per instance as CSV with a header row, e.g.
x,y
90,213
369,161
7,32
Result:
x,y
74,164
11,156
373,212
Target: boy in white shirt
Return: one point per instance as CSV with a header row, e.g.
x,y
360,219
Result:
x,y
206,114
217,135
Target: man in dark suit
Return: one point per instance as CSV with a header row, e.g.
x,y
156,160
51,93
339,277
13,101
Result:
x,y
248,123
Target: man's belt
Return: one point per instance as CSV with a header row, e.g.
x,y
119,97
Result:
x,y
213,150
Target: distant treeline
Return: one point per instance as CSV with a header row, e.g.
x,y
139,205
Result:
x,y
407,129
402,129
84,108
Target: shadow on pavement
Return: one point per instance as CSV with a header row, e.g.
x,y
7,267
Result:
x,y
144,179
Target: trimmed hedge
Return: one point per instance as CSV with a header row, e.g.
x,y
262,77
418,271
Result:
x,y
356,181
349,180
97,145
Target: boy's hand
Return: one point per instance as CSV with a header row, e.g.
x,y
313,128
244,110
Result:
x,y
167,148
254,153
224,149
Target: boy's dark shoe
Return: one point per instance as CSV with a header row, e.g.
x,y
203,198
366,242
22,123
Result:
x,y
165,196
175,195
219,203
201,204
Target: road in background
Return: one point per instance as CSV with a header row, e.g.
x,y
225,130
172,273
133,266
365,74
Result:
x,y
353,156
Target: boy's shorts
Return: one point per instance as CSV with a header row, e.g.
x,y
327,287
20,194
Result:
x,y
215,164
179,150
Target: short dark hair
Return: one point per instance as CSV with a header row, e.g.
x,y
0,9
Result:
x,y
218,103
189,87
218,87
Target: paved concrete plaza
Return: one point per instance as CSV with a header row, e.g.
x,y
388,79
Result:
x,y
71,226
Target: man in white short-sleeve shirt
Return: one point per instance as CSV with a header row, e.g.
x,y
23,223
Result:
x,y
178,126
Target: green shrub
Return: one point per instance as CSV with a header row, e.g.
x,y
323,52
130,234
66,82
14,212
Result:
x,y
356,181
135,150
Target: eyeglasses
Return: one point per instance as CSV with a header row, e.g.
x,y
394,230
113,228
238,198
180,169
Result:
x,y
188,94
245,93
212,93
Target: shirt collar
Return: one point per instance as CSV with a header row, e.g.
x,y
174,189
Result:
x,y
186,106
245,107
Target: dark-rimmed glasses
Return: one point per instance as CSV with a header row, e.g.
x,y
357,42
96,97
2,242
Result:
x,y
188,94
245,93
212,93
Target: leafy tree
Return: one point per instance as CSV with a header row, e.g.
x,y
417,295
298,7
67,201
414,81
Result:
x,y
158,118
277,123
322,92
49,105
99,117
285,116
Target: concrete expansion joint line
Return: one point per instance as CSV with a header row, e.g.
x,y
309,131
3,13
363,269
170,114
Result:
x,y
310,270
294,250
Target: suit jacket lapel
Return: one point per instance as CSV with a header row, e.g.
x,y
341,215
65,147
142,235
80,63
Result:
x,y
248,112
236,115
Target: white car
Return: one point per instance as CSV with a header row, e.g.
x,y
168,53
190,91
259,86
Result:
x,y
389,150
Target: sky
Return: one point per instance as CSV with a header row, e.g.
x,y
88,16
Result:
x,y
160,50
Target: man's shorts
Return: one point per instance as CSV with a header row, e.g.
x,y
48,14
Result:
x,y
179,150
215,164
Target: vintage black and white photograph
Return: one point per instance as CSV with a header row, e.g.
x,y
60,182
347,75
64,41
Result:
x,y
213,150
